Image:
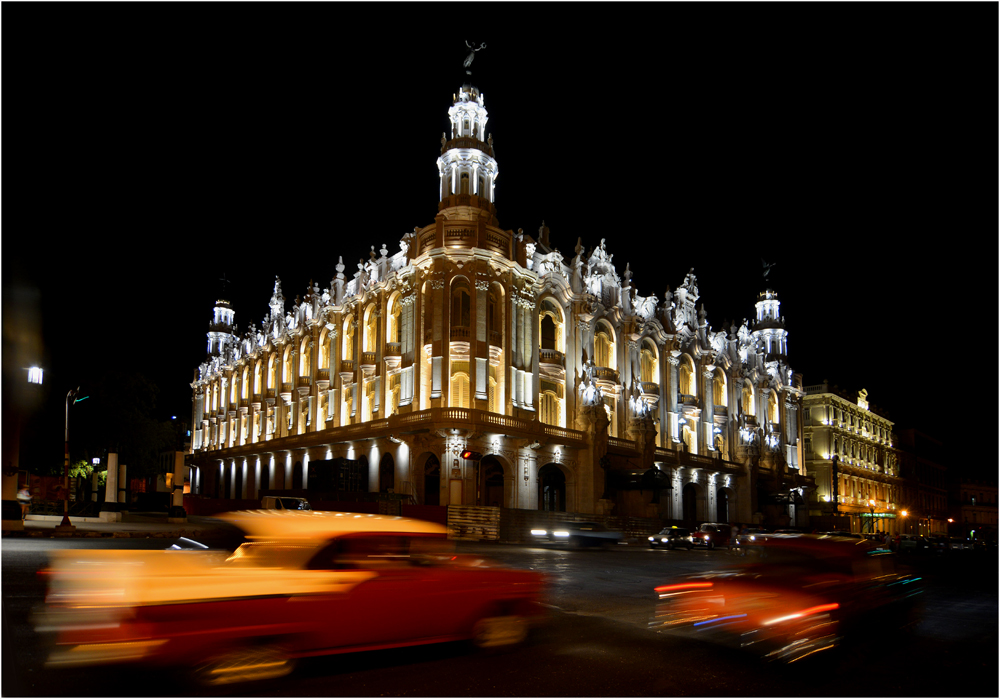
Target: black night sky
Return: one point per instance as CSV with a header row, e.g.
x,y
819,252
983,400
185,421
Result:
x,y
153,148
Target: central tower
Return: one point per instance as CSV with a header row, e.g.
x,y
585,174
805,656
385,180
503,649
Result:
x,y
467,169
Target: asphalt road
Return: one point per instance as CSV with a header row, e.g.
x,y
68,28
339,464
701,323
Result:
x,y
597,642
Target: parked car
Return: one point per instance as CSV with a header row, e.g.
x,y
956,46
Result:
x,y
801,595
274,502
301,583
837,532
937,543
578,534
912,543
957,543
672,538
712,535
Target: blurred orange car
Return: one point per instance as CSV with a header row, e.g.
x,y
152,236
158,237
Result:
x,y
800,595
301,583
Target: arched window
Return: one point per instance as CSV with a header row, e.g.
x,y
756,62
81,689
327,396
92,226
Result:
x,y
460,390
686,378
550,408
371,330
748,402
461,308
324,349
347,352
305,357
286,367
772,407
550,326
719,393
604,346
232,388
647,364
272,370
245,383
395,317
256,378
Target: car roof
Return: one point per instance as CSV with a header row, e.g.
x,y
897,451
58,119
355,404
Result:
x,y
319,525
819,544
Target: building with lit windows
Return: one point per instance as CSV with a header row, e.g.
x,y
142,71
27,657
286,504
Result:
x,y
581,395
925,477
849,451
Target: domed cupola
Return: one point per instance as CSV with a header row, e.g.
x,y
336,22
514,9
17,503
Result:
x,y
769,329
467,170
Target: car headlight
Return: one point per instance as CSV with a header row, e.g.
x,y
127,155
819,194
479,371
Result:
x,y
561,532
664,540
538,532
650,538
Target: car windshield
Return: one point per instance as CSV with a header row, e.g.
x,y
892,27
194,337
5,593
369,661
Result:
x,y
294,504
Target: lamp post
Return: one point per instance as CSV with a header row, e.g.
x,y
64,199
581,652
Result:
x,y
871,508
65,523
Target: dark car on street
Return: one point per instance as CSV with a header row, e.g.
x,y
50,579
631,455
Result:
x,y
578,534
672,538
712,535
798,596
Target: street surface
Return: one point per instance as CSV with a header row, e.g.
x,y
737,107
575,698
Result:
x,y
597,642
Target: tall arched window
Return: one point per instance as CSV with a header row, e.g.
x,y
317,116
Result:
x,y
550,326
257,377
647,363
324,349
272,370
286,367
604,346
461,307
550,409
460,390
748,401
719,393
371,330
245,383
305,358
395,316
685,377
772,407
347,353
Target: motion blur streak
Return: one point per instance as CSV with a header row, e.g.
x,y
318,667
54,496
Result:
x,y
804,612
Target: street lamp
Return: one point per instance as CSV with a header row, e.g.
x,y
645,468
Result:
x,y
65,520
871,508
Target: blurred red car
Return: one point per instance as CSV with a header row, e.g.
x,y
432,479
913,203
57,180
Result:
x,y
299,583
800,595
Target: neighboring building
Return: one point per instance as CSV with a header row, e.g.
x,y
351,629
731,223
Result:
x,y
922,465
582,395
850,453
974,508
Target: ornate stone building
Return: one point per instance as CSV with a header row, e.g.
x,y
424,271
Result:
x,y
850,452
581,394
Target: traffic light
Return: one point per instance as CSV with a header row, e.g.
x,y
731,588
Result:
x,y
470,455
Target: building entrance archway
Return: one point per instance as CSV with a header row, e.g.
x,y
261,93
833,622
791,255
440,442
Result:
x,y
386,474
432,481
551,489
491,482
689,504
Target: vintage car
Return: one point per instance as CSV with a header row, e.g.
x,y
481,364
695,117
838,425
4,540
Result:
x,y
671,538
800,595
298,583
712,535
578,535
280,502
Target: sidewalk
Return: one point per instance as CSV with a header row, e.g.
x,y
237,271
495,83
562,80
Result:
x,y
133,525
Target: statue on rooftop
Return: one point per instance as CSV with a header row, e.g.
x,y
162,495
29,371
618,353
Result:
x,y
472,55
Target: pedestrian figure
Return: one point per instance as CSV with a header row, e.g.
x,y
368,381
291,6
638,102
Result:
x,y
24,499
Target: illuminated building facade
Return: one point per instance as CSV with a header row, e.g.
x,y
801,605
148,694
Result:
x,y
849,451
581,394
